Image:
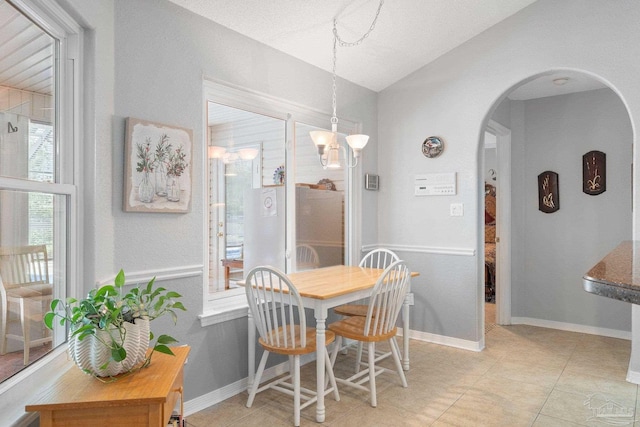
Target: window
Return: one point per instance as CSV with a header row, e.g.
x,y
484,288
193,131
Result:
x,y
308,206
38,205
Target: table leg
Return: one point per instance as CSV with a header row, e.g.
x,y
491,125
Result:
x,y
405,333
321,317
252,350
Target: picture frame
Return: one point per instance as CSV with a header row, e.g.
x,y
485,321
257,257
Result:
x,y
548,192
594,173
158,167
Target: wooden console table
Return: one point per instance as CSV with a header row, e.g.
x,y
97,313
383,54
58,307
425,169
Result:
x,y
145,398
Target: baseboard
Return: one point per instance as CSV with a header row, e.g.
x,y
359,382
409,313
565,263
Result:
x,y
216,396
572,327
633,377
445,340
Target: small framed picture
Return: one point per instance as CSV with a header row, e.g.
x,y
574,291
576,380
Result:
x,y
548,192
594,173
158,164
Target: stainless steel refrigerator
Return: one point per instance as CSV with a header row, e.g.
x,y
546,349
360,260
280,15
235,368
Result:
x,y
319,223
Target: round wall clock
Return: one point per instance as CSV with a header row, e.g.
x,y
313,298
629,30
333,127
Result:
x,y
432,146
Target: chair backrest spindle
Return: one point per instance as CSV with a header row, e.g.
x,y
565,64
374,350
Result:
x,y
275,305
386,299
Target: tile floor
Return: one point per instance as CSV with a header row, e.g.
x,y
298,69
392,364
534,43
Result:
x,y
526,376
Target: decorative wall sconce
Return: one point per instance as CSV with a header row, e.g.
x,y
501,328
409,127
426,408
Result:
x,y
217,152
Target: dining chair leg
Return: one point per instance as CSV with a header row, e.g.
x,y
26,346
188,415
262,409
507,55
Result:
x,y
256,379
331,377
26,328
395,351
371,349
296,390
3,329
359,356
336,347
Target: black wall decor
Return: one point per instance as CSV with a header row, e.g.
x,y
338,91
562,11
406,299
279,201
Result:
x,y
548,192
594,173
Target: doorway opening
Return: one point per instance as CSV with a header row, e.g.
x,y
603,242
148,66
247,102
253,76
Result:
x,y
536,277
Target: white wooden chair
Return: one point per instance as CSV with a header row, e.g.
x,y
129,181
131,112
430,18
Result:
x,y
378,258
306,257
276,305
24,280
385,303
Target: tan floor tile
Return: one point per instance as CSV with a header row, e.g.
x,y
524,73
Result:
x,y
581,409
586,384
546,421
526,373
525,376
507,393
477,411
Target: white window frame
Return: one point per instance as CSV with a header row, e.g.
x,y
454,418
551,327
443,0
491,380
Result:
x,y
231,304
59,24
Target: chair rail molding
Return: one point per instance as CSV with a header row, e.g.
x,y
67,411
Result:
x,y
421,249
161,274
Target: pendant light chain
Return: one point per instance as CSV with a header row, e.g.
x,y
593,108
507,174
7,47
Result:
x,y
337,40
361,39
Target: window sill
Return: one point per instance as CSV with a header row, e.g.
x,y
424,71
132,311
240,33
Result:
x,y
228,305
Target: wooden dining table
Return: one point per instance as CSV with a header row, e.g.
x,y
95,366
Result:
x,y
322,289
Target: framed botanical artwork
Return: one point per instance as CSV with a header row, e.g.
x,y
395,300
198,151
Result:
x,y
594,173
158,160
548,192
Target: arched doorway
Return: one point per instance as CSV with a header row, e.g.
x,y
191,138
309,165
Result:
x,y
554,119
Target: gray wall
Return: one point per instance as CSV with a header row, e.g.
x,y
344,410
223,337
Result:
x,y
454,97
559,248
162,54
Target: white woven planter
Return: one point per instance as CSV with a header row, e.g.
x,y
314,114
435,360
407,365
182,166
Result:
x,y
90,354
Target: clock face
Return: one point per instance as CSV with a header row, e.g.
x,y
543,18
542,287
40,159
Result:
x,y
594,177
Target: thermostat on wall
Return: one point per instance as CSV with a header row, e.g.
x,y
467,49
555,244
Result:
x,y
435,184
370,181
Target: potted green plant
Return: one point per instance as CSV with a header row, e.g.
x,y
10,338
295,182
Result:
x,y
109,330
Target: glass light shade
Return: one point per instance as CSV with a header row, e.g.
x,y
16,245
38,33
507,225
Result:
x,y
248,153
215,152
357,142
323,138
229,157
333,158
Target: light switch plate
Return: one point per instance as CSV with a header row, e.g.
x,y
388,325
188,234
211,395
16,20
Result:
x,y
456,209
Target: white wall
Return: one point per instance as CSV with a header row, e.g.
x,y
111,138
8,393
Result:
x,y
456,93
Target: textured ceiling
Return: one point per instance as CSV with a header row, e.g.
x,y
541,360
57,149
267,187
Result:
x,y
408,35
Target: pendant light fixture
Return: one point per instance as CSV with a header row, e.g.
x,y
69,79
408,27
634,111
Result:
x,y
327,141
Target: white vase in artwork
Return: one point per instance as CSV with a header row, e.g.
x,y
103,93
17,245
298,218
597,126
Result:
x,y
145,189
173,188
161,180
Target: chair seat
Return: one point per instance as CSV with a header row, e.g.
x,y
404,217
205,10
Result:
x,y
297,349
30,291
353,328
352,310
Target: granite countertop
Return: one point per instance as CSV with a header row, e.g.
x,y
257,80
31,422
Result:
x,y
617,275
